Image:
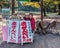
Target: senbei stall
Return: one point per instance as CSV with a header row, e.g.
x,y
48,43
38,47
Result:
x,y
18,31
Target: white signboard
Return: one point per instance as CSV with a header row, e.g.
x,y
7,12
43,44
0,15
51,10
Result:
x,y
26,32
19,31
13,31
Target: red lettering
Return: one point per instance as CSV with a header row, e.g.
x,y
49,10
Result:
x,y
23,24
25,31
13,29
13,26
28,39
14,23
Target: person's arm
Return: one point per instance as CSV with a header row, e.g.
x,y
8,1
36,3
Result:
x,y
33,24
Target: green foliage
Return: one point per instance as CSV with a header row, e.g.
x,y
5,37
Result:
x,y
3,3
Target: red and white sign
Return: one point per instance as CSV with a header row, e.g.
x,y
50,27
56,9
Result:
x,y
13,31
19,31
26,35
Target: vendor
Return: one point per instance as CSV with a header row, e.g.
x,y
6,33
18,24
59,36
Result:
x,y
26,17
32,21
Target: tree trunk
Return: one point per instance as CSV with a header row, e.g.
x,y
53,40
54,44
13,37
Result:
x,y
44,10
41,10
13,4
59,9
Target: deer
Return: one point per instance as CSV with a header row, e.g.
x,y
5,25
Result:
x,y
51,25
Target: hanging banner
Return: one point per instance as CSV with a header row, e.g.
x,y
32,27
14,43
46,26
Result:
x,y
5,12
26,32
13,31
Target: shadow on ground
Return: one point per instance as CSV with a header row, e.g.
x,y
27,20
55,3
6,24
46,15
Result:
x,y
40,41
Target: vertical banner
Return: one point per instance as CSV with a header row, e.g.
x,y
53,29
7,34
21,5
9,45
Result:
x,y
29,30
13,31
26,32
5,12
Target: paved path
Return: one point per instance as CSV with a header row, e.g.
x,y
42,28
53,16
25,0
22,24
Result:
x,y
41,41
0,32
0,39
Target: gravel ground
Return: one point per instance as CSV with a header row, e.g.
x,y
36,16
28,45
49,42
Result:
x,y
40,41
